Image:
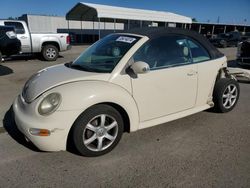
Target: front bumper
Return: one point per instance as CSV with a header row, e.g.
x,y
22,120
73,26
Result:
x,y
56,123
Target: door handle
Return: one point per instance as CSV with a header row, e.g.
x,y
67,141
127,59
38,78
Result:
x,y
23,37
192,73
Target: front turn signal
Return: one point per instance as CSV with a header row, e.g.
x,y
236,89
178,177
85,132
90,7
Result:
x,y
39,132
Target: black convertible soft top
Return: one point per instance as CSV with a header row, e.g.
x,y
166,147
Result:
x,y
153,32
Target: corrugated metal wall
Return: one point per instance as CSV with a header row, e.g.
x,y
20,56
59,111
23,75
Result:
x,y
51,24
80,31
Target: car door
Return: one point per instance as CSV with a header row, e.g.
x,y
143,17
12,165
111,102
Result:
x,y
171,84
22,35
207,69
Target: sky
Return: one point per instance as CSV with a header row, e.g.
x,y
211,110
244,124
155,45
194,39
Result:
x,y
228,11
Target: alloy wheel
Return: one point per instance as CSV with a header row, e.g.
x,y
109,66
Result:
x,y
229,96
100,132
51,53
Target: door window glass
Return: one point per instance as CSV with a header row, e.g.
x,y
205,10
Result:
x,y
163,52
199,54
18,27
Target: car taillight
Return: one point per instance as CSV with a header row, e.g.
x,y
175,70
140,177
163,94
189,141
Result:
x,y
68,39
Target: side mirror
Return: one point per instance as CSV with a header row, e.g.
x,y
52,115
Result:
x,y
140,67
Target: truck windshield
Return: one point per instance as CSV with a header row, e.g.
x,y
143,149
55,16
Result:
x,y
105,54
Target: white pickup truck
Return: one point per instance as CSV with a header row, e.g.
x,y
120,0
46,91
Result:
x,y
48,45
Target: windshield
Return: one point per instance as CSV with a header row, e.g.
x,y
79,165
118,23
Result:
x,y
105,54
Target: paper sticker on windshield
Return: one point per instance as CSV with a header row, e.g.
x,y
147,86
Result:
x,y
126,39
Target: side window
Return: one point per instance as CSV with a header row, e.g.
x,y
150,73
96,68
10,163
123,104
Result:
x,y
198,52
18,27
163,52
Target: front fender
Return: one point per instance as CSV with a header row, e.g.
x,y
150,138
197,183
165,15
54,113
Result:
x,y
78,96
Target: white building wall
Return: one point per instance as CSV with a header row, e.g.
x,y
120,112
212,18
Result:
x,y
51,24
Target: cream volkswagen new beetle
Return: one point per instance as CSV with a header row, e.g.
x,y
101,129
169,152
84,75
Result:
x,y
123,82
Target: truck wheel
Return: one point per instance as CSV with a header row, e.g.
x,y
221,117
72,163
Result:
x,y
226,94
97,131
50,52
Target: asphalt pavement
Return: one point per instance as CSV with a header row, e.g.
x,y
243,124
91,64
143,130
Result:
x,y
203,150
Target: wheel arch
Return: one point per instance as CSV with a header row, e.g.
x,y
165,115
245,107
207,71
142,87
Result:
x,y
82,95
54,43
119,108
223,73
123,113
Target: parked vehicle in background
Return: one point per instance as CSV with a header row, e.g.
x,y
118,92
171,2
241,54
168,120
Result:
x,y
246,36
243,53
226,39
123,83
48,45
9,44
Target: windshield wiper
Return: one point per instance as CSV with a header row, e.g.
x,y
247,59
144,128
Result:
x,y
87,68
68,64
79,67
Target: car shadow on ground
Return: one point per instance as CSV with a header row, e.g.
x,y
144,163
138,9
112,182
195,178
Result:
x,y
26,57
5,70
10,126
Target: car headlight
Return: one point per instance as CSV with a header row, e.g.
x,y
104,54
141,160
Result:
x,y
49,104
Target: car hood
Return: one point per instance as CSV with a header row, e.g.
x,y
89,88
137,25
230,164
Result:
x,y
51,77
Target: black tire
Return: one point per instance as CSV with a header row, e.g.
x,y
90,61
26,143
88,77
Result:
x,y
220,91
79,130
224,43
50,52
1,57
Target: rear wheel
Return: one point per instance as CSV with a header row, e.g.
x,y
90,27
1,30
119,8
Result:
x,y
50,52
97,131
226,94
1,57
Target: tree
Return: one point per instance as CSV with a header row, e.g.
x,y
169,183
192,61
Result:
x,y
194,20
11,18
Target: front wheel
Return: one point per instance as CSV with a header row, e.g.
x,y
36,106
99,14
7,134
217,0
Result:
x,y
97,131
50,52
226,94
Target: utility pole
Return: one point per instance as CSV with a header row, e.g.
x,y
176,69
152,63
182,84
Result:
x,y
218,19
